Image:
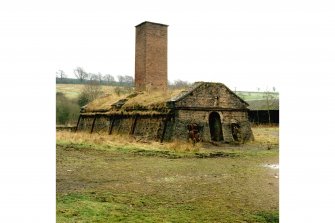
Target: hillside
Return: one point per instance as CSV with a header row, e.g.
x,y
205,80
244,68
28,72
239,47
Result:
x,y
73,90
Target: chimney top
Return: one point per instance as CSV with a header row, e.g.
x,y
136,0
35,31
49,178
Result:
x,y
154,23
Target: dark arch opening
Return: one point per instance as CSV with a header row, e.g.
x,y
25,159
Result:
x,y
215,127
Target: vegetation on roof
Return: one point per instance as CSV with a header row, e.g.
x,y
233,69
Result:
x,y
135,101
150,101
157,101
102,104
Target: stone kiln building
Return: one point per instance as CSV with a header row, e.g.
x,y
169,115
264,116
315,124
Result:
x,y
206,111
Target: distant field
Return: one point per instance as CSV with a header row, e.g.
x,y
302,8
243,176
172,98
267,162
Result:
x,y
251,95
103,178
73,91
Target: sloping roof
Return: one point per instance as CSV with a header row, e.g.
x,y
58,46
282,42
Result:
x,y
155,101
101,104
186,92
135,101
147,22
263,104
196,85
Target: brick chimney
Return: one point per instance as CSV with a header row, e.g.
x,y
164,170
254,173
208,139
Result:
x,y
151,57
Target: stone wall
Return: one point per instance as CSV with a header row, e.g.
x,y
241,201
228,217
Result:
x,y
201,118
186,117
152,128
211,95
146,127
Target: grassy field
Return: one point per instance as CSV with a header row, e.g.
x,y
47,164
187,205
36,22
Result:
x,y
250,95
73,90
103,178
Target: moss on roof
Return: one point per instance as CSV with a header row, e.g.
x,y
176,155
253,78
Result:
x,y
143,101
102,104
135,101
150,101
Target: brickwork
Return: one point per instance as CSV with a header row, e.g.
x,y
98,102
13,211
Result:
x,y
151,57
148,128
211,95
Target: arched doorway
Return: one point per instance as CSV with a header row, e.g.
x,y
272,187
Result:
x,y
215,126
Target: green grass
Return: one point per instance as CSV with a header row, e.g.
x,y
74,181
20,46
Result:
x,y
130,207
72,91
99,181
249,95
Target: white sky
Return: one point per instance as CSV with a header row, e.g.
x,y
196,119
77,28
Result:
x,y
244,44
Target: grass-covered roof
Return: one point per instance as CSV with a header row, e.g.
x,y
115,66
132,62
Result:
x,y
143,101
155,101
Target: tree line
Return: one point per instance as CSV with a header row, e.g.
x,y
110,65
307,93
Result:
x,y
83,77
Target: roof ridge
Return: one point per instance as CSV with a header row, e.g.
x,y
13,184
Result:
x,y
186,92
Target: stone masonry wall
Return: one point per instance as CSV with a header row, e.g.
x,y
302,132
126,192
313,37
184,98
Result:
x,y
211,95
185,117
176,128
146,127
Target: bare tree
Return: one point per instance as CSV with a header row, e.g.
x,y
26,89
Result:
x,y
108,78
125,80
129,80
120,79
91,91
61,74
93,77
100,77
80,74
178,84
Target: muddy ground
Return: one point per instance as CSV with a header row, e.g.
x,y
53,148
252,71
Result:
x,y
109,184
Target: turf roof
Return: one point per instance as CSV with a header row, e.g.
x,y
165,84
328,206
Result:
x,y
143,101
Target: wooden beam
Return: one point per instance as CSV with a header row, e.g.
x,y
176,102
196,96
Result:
x,y
95,117
133,126
112,119
78,123
164,128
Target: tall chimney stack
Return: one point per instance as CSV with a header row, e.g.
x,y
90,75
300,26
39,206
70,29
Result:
x,y
151,57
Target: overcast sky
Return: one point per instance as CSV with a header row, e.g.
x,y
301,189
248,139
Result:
x,y
244,44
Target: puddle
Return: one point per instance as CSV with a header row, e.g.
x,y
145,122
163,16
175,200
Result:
x,y
272,166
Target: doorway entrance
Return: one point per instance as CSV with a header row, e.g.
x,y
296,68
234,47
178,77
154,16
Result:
x,y
215,127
